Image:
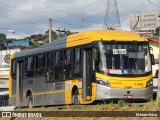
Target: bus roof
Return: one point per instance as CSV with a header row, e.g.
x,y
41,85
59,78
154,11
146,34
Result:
x,y
105,35
84,38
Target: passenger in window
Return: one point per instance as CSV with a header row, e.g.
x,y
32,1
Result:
x,y
49,75
64,74
65,58
77,70
64,68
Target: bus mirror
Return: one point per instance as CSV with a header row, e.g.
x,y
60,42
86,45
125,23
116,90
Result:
x,y
152,59
94,54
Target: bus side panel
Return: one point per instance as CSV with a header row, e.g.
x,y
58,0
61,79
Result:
x,y
43,93
12,98
13,87
12,101
52,98
68,91
46,93
33,85
53,94
69,85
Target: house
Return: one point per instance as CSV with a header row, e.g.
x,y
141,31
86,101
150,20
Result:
x,y
154,43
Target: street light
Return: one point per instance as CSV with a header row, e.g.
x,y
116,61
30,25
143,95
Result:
x,y
13,31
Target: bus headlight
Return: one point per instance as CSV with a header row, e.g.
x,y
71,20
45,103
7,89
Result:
x,y
102,82
149,83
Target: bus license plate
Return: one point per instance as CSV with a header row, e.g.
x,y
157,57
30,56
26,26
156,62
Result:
x,y
127,96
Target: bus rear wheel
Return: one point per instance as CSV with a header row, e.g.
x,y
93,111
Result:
x,y
30,101
76,97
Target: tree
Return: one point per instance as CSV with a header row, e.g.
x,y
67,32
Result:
x,y
2,41
55,35
157,32
2,37
33,46
37,37
9,40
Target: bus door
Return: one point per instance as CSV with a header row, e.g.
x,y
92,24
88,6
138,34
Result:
x,y
87,74
19,83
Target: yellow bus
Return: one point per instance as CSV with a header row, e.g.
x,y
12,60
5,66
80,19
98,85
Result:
x,y
82,68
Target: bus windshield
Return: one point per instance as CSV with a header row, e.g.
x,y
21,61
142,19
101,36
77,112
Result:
x,y
125,58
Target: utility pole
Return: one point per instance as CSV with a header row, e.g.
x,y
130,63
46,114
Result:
x,y
158,91
50,29
112,19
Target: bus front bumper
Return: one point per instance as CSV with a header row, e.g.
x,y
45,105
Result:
x,y
104,93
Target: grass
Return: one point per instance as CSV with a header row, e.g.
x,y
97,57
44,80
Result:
x,y
120,106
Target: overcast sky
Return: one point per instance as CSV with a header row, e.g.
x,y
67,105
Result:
x,y
29,17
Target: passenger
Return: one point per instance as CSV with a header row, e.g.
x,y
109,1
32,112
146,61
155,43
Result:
x,y
64,68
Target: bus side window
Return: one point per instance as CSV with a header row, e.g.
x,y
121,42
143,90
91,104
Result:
x,y
29,67
58,66
13,69
49,67
77,63
67,65
40,64
5,102
1,100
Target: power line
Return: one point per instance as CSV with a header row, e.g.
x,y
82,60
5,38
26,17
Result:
x,y
27,39
37,15
85,19
153,3
67,13
83,6
73,9
12,31
19,28
23,10
22,21
58,9
11,10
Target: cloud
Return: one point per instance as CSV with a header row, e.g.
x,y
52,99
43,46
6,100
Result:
x,y
17,36
28,17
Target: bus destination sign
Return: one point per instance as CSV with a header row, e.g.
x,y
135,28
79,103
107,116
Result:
x,y
119,51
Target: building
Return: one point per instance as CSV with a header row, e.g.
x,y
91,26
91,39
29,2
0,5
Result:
x,y
154,43
148,22
4,67
18,43
6,49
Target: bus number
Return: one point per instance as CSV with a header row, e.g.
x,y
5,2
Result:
x,y
138,84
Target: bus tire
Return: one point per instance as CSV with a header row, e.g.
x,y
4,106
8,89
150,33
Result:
x,y
30,101
76,97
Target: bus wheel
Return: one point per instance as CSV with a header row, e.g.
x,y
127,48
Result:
x,y
76,97
30,101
